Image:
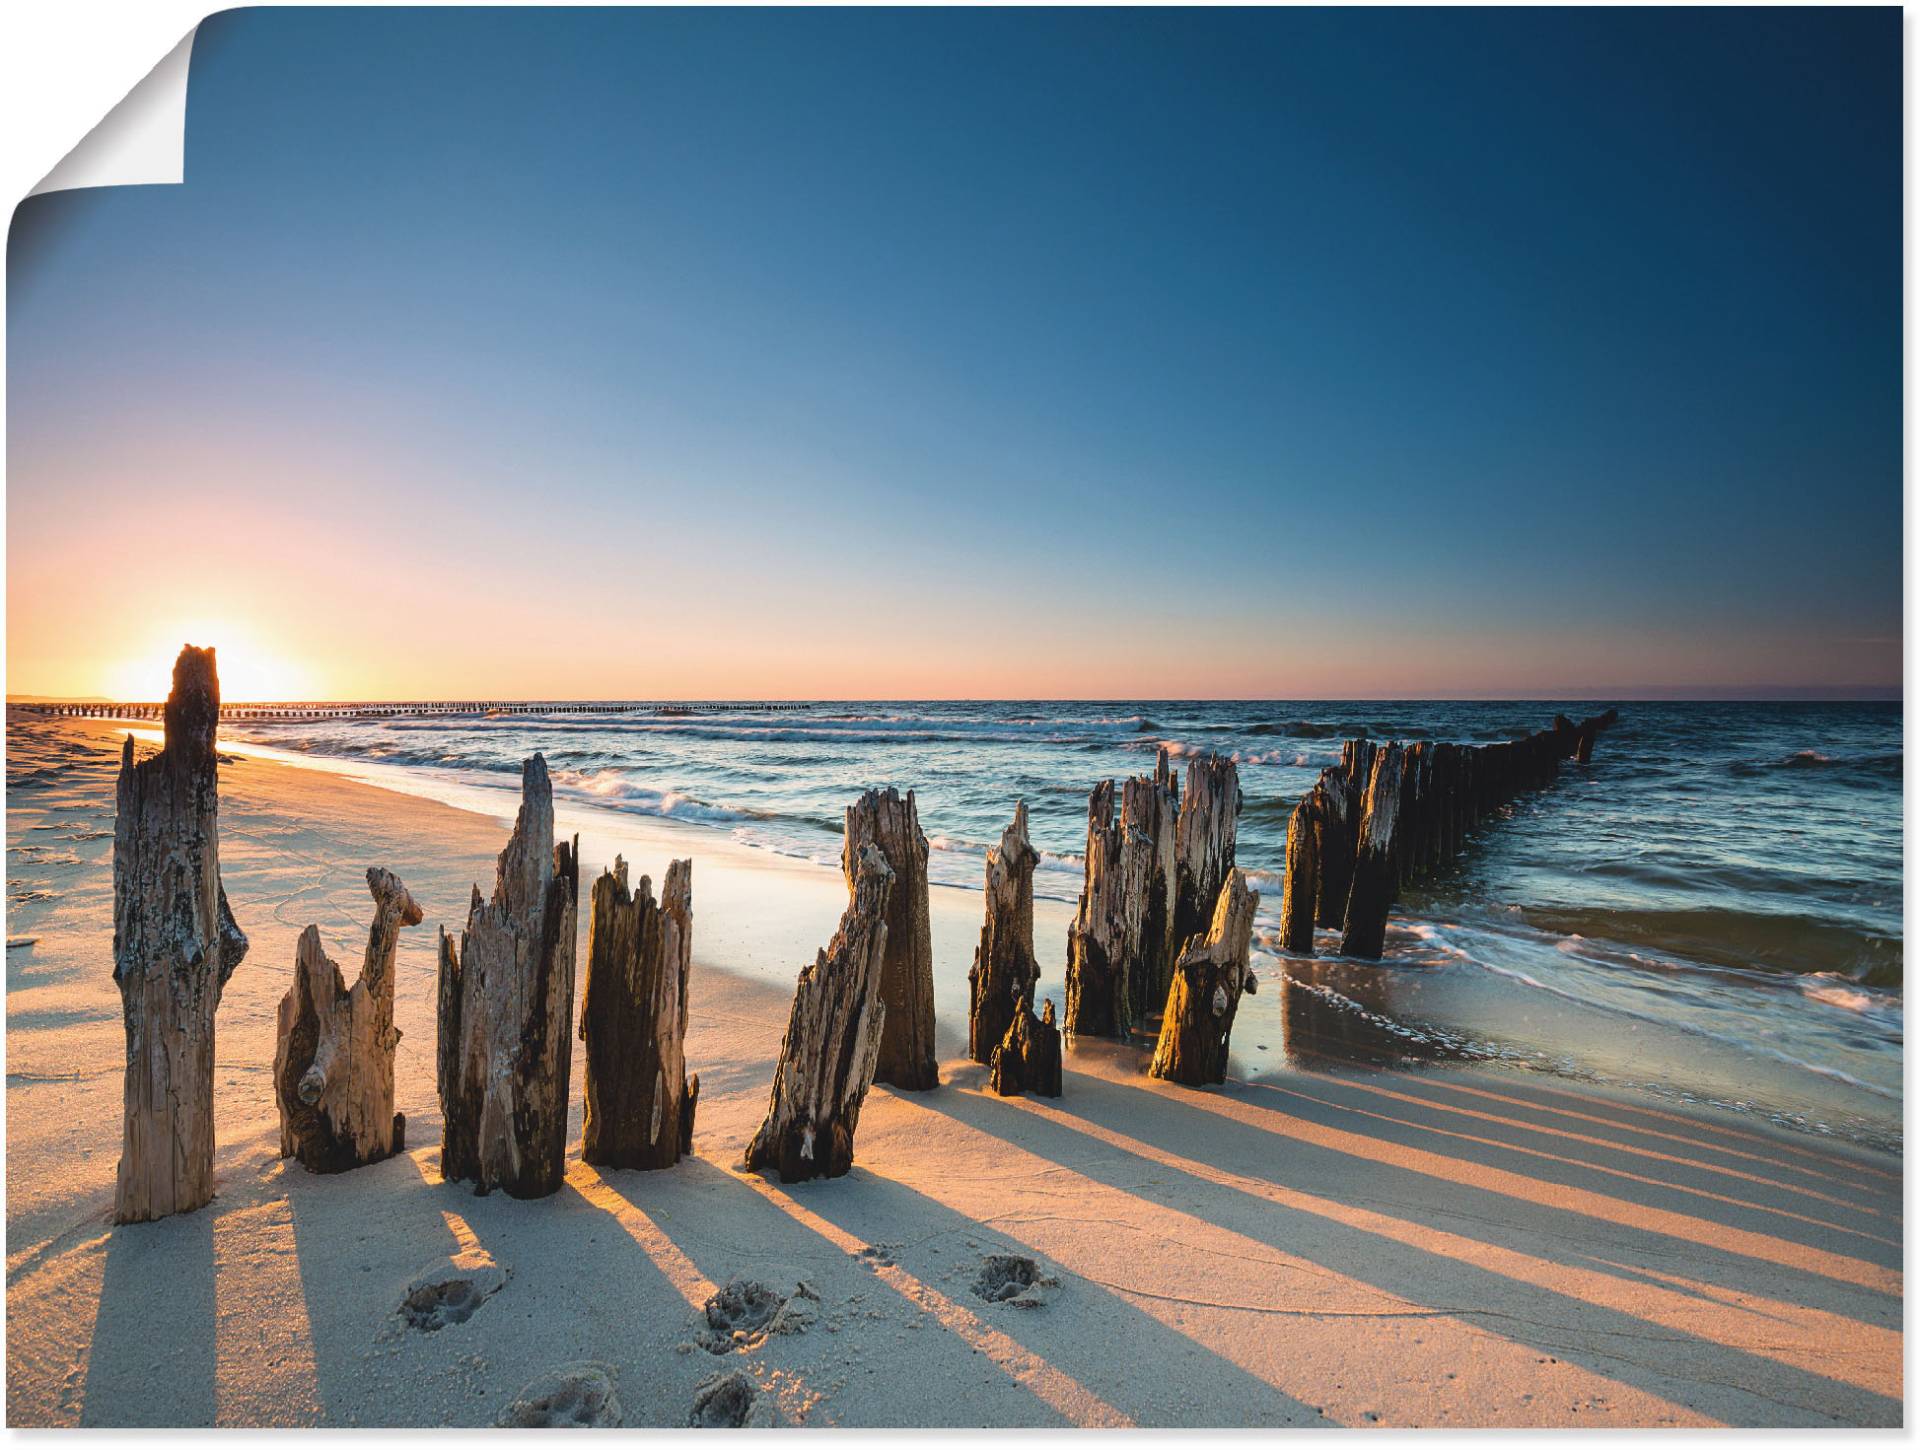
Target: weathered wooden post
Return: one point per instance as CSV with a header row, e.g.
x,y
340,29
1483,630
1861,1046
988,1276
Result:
x,y
1004,970
333,1060
1119,947
1105,926
506,1011
1300,893
1374,872
1204,841
633,1019
833,1040
175,944
1028,1058
1208,981
883,819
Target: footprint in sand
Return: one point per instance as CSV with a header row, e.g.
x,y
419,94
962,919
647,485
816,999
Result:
x,y
878,1256
449,1293
578,1396
745,1312
722,1403
1013,1279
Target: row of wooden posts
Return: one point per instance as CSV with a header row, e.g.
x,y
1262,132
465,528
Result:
x,y
1389,815
1165,918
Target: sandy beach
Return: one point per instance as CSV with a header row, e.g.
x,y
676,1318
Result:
x,y
1462,1246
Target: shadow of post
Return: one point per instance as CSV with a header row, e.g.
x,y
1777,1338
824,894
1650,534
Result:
x,y
1091,1125
152,1355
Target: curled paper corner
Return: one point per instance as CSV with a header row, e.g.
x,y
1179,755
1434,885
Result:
x,y
140,142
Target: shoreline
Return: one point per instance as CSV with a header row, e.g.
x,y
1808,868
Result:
x,y
1345,1246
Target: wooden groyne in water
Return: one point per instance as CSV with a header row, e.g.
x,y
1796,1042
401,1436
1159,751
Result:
x,y
152,710
1390,814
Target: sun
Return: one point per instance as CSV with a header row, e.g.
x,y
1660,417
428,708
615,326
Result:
x,y
249,669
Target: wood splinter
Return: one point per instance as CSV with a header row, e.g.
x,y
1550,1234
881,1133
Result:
x,y
333,1061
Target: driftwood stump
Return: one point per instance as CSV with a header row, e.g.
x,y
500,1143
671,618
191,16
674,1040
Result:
x,y
1204,842
333,1063
1119,948
883,819
1004,971
506,1011
833,1041
1374,870
633,1020
1300,893
175,944
1208,982
1028,1059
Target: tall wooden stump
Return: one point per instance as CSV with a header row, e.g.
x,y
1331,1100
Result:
x,y
1150,813
1004,970
633,1020
175,943
506,1011
1334,831
833,1041
1208,982
333,1062
1120,946
1106,928
1300,893
1374,867
1204,842
883,819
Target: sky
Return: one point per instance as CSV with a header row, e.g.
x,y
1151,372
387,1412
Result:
x,y
996,353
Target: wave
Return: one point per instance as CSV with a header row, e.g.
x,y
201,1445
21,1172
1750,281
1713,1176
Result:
x,y
1742,1041
616,788
1889,766
1722,937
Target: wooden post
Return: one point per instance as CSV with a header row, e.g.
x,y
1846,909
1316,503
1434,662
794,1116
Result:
x,y
1150,814
175,944
1119,948
1204,841
1374,874
633,1020
333,1061
1208,982
833,1041
1004,969
1301,891
883,819
1028,1059
1105,932
506,1011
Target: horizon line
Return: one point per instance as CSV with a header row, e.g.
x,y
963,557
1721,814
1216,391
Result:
x,y
1639,694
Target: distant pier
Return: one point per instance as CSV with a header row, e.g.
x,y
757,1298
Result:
x,y
291,713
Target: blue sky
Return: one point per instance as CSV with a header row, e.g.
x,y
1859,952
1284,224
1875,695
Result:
x,y
1118,353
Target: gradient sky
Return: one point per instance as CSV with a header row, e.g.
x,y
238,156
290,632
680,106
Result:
x,y
977,353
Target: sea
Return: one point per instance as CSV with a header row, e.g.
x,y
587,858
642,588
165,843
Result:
x,y
1710,912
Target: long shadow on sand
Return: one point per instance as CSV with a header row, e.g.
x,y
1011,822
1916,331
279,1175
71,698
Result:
x,y
153,1347
1081,1360
1136,1139
1393,1110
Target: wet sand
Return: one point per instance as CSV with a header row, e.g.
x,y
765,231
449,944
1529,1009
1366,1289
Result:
x,y
1460,1246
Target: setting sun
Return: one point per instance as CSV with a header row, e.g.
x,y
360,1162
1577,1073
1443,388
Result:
x,y
249,671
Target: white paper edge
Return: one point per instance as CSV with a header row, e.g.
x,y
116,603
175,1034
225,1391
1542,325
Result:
x,y
140,142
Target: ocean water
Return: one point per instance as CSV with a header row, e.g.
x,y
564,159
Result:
x,y
1711,911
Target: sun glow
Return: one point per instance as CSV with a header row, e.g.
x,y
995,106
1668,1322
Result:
x,y
249,670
